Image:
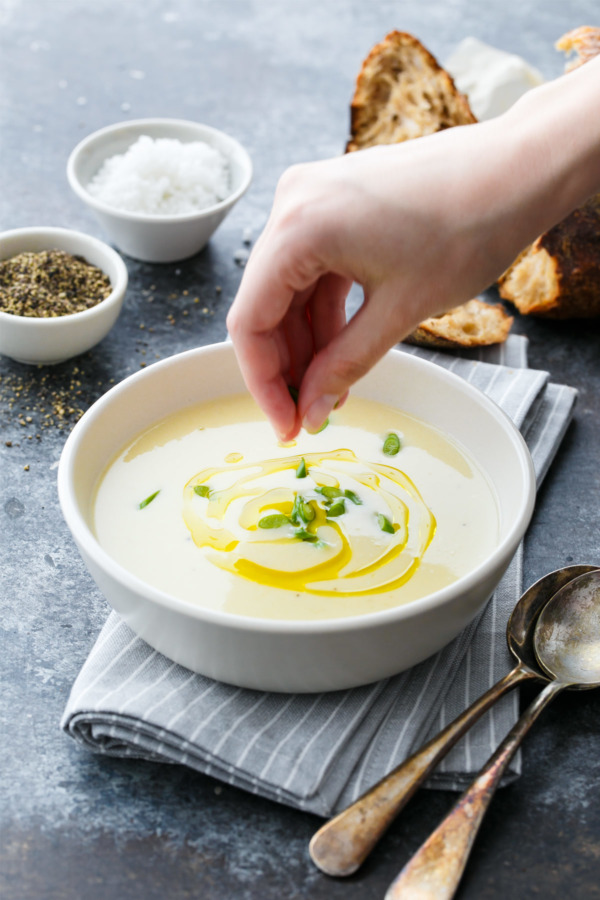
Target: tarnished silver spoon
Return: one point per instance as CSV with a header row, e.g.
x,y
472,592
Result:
x,y
567,647
343,843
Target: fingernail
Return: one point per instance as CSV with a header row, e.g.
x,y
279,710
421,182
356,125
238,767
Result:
x,y
317,413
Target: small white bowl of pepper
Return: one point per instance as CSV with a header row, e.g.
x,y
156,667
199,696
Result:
x,y
61,291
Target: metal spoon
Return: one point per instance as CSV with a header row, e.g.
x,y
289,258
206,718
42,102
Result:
x,y
343,843
567,647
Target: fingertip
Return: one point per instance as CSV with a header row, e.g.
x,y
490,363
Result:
x,y
286,437
316,415
286,432
281,411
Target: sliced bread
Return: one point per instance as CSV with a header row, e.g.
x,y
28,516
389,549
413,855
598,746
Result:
x,y
401,93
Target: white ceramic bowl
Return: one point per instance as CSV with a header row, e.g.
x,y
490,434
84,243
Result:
x,y
45,341
157,238
296,655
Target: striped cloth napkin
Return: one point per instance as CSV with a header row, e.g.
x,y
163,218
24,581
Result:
x,y
319,752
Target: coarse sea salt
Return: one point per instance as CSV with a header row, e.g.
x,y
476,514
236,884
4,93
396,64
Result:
x,y
163,176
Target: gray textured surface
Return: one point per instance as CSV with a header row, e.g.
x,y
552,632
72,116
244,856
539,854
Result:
x,y
277,74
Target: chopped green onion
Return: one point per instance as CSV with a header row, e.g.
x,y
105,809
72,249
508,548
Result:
x,y
274,521
337,509
330,493
296,513
353,497
385,524
148,500
307,511
307,536
202,490
302,512
391,445
301,470
323,427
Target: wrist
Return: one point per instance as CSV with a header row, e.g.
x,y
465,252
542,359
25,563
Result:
x,y
555,139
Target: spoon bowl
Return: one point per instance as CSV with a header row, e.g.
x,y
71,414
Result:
x,y
521,625
567,634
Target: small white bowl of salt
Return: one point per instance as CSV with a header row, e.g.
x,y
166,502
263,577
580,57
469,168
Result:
x,y
159,187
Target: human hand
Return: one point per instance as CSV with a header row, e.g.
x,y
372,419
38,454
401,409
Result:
x,y
383,218
422,226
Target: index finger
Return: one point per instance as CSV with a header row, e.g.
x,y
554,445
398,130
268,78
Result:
x,y
255,323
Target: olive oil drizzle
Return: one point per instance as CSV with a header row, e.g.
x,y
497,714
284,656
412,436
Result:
x,y
319,555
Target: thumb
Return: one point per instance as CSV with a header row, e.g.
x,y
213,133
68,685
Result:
x,y
381,322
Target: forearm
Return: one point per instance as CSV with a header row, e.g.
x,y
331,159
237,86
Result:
x,y
555,160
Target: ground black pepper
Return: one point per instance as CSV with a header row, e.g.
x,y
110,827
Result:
x,y
41,401
50,283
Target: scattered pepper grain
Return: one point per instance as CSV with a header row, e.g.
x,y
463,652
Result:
x,y
52,402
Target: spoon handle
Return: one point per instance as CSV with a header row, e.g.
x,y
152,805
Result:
x,y
435,870
343,843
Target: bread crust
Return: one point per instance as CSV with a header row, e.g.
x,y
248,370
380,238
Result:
x,y
473,324
583,41
558,276
401,93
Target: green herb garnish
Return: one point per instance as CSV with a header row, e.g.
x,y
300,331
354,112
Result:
x,y
148,500
391,445
323,427
307,511
202,490
301,470
274,521
337,509
330,493
302,512
305,535
296,513
353,497
385,524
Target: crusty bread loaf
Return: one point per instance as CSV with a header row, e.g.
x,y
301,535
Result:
x,y
558,275
402,93
473,324
584,42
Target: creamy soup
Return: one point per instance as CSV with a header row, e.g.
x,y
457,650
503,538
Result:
x,y
376,510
